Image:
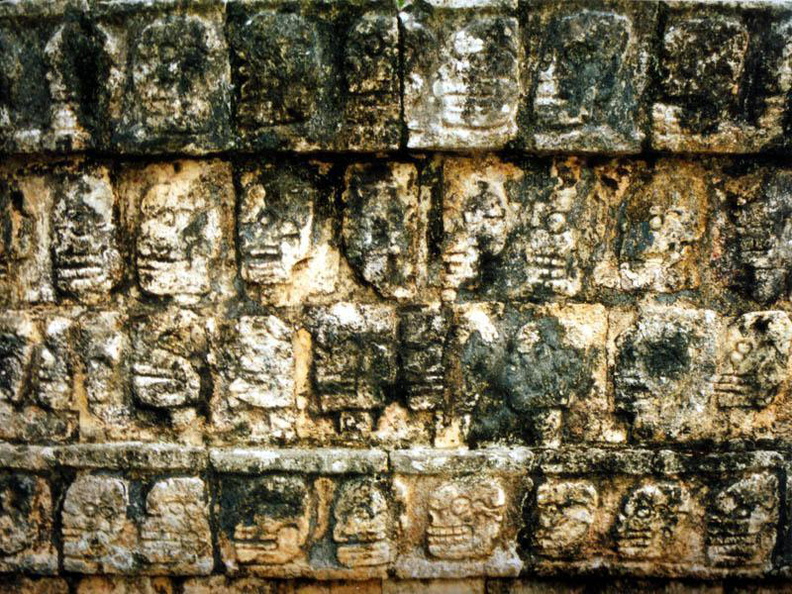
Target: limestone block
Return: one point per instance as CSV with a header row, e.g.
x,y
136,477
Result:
x,y
587,75
521,229
52,60
454,525
180,216
353,363
169,83
724,77
256,398
287,252
315,77
300,524
26,516
461,73
423,338
533,375
385,227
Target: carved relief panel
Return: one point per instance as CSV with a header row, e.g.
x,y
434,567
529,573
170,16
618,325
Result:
x,y
26,517
586,77
532,376
461,74
180,215
716,93
169,82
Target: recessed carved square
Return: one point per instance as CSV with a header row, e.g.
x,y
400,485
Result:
x,y
462,69
26,510
565,512
257,395
723,79
384,227
588,70
170,83
362,530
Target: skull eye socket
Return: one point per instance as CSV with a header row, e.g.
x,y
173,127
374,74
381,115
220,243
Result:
x,y
656,223
556,222
643,511
460,506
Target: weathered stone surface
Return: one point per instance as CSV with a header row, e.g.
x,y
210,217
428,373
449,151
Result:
x,y
26,516
587,75
169,82
461,73
319,77
723,78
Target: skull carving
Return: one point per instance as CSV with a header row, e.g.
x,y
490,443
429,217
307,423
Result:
x,y
361,525
481,230
370,59
756,364
582,60
94,518
565,513
16,352
648,519
17,230
22,513
275,224
741,522
477,84
176,527
270,525
465,519
764,238
85,256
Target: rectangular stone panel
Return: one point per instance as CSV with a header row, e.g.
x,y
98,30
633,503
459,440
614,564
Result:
x,y
461,73
169,83
586,75
723,77
315,76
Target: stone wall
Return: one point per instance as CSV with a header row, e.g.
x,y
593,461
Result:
x,y
385,297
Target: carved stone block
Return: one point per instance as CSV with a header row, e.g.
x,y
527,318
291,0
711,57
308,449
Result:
x,y
384,227
663,364
86,259
565,512
423,334
26,509
724,78
533,376
256,398
51,64
587,75
180,214
175,533
169,87
294,92
462,69
459,525
517,230
98,536
354,360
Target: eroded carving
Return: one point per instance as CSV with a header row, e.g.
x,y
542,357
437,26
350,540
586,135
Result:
x,y
361,525
86,259
276,216
422,334
25,524
565,514
95,526
383,226
741,522
648,521
175,534
17,336
465,519
757,359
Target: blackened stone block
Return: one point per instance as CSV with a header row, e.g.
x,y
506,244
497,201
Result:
x,y
315,76
26,519
169,87
461,73
586,76
724,77
52,64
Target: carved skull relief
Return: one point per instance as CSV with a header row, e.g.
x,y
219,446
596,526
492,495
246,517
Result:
x,y
271,525
361,525
25,509
465,519
370,55
17,336
756,361
648,519
741,522
565,513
